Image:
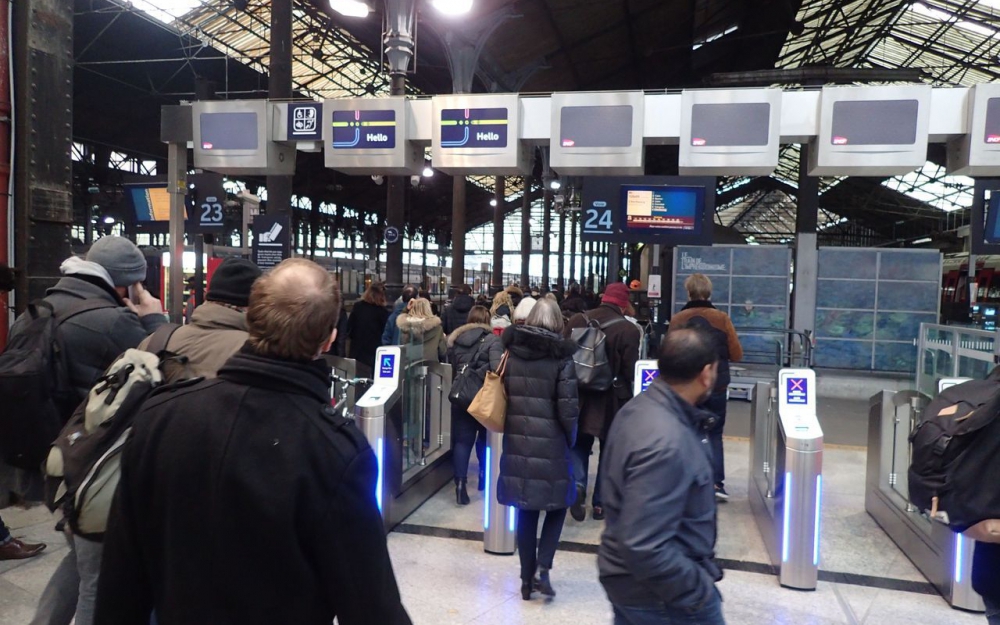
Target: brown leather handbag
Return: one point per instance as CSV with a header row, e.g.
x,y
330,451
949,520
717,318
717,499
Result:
x,y
489,407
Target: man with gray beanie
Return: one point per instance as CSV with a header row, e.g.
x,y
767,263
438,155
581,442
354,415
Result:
x,y
218,328
108,313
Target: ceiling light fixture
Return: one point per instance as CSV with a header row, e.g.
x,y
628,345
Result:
x,y
493,202
453,7
555,185
428,172
350,8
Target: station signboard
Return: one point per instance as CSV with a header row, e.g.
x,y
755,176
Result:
x,y
871,131
479,134
368,136
977,153
234,137
730,132
597,133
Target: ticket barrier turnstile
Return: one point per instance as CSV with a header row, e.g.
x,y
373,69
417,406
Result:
x,y
944,558
499,521
786,474
406,417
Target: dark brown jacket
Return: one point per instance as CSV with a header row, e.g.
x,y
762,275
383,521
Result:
x,y
717,318
597,410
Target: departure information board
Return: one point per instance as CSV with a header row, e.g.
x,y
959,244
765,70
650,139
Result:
x,y
474,128
653,208
731,124
364,130
229,131
150,203
595,126
875,122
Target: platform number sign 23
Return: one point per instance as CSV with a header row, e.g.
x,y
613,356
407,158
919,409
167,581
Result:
x,y
210,213
597,219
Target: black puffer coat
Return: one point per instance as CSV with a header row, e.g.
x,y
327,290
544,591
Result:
x,y
542,412
466,340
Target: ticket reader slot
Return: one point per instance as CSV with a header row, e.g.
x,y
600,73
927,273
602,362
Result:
x,y
786,475
645,372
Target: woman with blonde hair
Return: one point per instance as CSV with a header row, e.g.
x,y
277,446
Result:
x,y
419,326
503,308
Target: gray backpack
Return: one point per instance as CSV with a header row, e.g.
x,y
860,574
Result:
x,y
593,369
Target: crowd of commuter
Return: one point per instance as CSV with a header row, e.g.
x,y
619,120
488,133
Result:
x,y
243,435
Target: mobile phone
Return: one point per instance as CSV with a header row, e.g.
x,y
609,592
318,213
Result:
x,y
133,294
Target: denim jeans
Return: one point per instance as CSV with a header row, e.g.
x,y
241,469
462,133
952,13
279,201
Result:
x,y
992,612
717,404
535,553
708,614
581,461
73,587
466,432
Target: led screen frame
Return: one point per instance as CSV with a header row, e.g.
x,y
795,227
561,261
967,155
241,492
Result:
x,y
240,129
572,153
984,220
705,115
977,153
269,158
387,118
457,121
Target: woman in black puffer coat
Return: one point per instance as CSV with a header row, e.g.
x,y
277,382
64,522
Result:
x,y
540,429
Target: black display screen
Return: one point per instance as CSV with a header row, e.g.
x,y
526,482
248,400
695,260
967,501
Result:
x,y
992,121
741,124
596,126
992,234
875,122
229,131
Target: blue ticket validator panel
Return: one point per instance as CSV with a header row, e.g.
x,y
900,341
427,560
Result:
x,y
645,372
370,136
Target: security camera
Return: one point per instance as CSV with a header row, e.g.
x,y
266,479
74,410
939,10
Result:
x,y
415,181
377,179
248,198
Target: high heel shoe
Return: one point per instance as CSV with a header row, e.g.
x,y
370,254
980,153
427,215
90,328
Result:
x,y
543,583
461,493
526,589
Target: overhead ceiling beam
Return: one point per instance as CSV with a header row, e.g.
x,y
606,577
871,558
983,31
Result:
x,y
550,18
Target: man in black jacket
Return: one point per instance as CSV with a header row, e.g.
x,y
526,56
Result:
x,y
656,558
456,314
242,499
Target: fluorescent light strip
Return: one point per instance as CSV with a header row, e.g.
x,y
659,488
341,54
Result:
x,y
819,499
486,495
378,482
958,558
510,515
788,510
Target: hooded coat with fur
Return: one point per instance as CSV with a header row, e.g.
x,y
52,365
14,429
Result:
x,y
467,339
542,413
424,332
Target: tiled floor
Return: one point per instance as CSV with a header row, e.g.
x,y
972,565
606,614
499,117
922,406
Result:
x,y
451,580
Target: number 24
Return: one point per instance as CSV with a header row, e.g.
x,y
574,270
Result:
x,y
598,220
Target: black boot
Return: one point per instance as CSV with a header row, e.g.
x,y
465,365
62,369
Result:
x,y
482,480
461,494
543,584
526,588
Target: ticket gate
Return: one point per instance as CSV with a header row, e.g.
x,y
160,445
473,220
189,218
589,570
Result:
x,y
944,558
786,474
406,417
645,372
499,521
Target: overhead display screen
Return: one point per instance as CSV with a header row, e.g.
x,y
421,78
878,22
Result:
x,y
653,208
992,234
874,122
474,128
150,203
229,131
364,130
731,124
992,135
596,126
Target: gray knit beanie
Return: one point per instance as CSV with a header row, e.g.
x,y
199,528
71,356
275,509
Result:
x,y
121,258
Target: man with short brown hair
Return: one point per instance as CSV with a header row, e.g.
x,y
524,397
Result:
x,y
244,499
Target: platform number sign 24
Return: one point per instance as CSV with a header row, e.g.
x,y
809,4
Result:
x,y
597,219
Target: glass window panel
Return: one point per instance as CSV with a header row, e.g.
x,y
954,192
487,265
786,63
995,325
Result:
x,y
900,326
761,261
843,354
895,357
703,259
917,296
847,263
759,317
845,324
910,265
845,294
768,291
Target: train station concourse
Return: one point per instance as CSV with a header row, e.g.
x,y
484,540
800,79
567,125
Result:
x,y
380,312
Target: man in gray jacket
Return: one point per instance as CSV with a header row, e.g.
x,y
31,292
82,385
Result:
x,y
656,557
93,340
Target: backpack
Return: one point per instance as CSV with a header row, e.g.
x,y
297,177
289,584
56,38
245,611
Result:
x,y
593,369
84,463
721,341
955,456
35,383
469,379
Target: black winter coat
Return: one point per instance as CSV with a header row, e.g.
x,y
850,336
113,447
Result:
x,y
364,327
457,313
465,341
542,412
242,501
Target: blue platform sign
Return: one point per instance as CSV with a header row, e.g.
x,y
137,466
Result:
x,y
797,391
392,235
474,128
364,130
386,366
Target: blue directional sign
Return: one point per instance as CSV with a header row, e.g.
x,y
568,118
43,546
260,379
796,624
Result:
x,y
387,366
797,391
364,130
474,128
392,235
648,375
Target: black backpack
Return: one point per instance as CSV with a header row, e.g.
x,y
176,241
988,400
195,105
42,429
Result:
x,y
955,457
35,385
469,378
721,341
593,369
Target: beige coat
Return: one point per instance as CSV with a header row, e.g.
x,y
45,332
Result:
x,y
213,336
426,332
